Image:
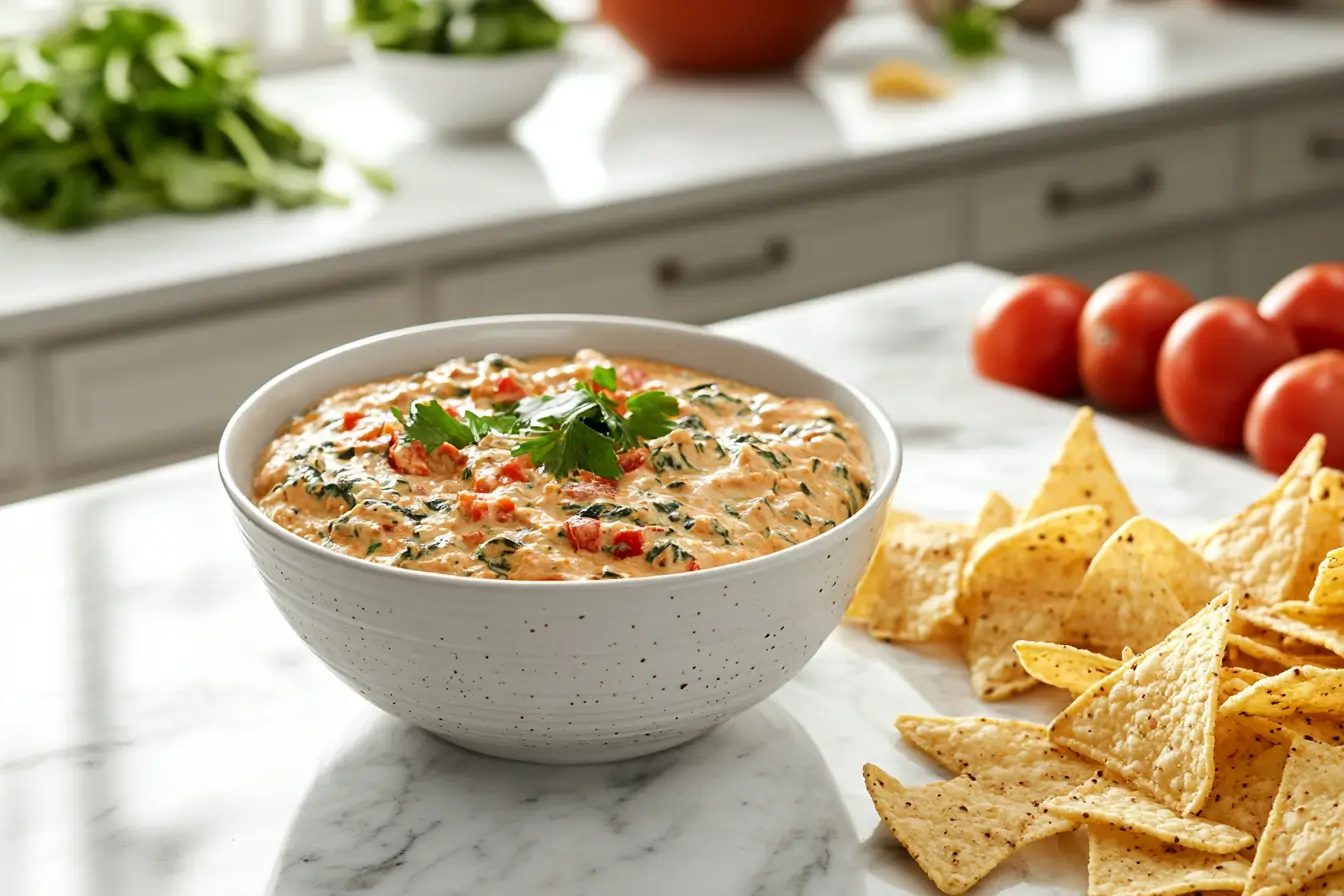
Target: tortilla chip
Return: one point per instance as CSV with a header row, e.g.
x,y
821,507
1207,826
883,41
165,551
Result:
x,y
1301,689
959,830
996,513
1260,650
1327,591
1322,537
1327,488
922,561
1287,619
1152,720
1059,665
978,744
1018,585
1302,840
1247,771
1124,599
1082,475
1258,551
1120,863
1330,885
874,582
1106,801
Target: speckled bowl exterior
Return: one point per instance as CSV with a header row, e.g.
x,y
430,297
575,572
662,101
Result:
x,y
560,672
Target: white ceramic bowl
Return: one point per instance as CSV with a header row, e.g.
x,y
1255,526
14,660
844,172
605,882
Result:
x,y
462,94
564,672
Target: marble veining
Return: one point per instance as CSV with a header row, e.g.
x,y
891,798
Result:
x,y
165,733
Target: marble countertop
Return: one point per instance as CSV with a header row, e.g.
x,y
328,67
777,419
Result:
x,y
612,147
165,733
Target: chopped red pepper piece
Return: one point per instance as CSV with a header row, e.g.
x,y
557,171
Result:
x,y
473,538
373,432
485,483
692,565
627,543
469,506
504,509
449,451
589,489
634,459
509,389
351,420
512,471
584,534
409,458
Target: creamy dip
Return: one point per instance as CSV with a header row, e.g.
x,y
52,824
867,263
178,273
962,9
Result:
x,y
744,473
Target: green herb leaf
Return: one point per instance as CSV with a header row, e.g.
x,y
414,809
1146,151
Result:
x,y
605,377
972,32
432,426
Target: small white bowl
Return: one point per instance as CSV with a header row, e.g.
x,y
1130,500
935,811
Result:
x,y
462,94
563,672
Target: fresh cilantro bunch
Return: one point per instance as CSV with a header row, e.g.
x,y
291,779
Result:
x,y
579,430
457,27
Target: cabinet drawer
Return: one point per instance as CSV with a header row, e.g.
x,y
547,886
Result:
x,y
157,391
711,271
16,423
1262,251
1190,261
1092,195
1297,150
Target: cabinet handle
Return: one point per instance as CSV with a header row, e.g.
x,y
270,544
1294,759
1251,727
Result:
x,y
1323,146
672,273
1062,199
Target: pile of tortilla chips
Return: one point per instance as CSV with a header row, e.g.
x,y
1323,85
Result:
x,y
1210,760
1079,566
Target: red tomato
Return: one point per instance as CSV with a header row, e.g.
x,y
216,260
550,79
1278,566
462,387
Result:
x,y
633,459
1300,399
1310,302
512,471
407,457
627,543
1026,334
1212,361
1120,334
351,419
583,533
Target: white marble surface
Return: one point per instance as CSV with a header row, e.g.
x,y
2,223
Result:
x,y
611,146
163,732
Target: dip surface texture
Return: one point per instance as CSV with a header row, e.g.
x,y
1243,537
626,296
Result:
x,y
744,473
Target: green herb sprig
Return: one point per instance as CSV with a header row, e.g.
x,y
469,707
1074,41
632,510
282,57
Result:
x,y
972,32
457,27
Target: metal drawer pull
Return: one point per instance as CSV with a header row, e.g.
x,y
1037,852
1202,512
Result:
x,y
1325,147
673,273
1062,199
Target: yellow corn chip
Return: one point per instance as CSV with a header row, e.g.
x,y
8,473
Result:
x,y
1127,654
1247,770
997,513
1124,598
922,561
960,830
978,744
1103,800
1062,666
874,582
1262,651
1301,689
1330,885
1258,551
1120,863
1019,583
1327,488
1302,840
1322,537
1328,590
1152,720
1082,475
1286,619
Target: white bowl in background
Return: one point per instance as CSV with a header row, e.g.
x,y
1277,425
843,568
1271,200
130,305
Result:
x,y
462,94
563,672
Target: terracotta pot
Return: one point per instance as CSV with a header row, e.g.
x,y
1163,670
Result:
x,y
722,35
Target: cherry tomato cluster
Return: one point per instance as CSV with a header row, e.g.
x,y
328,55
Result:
x,y
1225,372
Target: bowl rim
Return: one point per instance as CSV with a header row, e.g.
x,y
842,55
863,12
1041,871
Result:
x,y
243,504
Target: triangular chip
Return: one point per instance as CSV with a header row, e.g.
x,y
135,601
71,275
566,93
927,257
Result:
x,y
923,561
1322,537
1327,488
1082,475
1258,551
960,830
1059,665
1330,885
978,744
1106,801
1124,599
874,582
1248,768
1018,585
1189,576
996,513
1120,863
1301,689
1152,720
1289,620
1302,840
1260,650
1327,592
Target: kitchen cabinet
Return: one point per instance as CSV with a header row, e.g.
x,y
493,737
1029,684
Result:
x,y
1266,247
1189,260
1296,150
15,436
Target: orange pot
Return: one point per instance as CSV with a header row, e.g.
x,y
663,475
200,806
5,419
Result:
x,y
722,35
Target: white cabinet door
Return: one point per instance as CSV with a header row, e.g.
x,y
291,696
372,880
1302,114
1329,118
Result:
x,y
149,395
16,422
1191,261
1265,248
1297,150
713,270
1089,196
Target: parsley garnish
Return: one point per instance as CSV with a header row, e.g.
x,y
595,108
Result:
x,y
432,426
